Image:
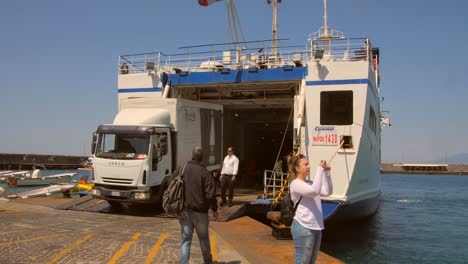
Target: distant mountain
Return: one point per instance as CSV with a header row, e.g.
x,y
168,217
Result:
x,y
460,158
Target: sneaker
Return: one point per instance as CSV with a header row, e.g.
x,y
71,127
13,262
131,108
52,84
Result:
x,y
230,203
222,204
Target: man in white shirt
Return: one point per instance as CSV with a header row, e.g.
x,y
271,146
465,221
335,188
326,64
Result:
x,y
228,175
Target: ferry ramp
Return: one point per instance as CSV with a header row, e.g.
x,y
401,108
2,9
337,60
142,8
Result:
x,y
90,204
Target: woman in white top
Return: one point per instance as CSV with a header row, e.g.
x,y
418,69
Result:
x,y
307,225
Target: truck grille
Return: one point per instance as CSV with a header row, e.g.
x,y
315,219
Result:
x,y
117,180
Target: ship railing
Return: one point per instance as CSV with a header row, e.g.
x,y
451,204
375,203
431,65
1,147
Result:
x,y
330,33
213,57
342,49
273,181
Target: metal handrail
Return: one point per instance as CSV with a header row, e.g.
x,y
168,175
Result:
x,y
213,57
273,182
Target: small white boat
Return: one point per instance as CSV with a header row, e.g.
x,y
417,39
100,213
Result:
x,y
16,174
4,175
88,164
42,191
35,179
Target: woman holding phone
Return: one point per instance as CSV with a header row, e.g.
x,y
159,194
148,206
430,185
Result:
x,y
307,225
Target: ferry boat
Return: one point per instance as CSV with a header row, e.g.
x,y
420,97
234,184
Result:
x,y
320,98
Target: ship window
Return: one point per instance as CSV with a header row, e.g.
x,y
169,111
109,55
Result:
x,y
372,120
336,108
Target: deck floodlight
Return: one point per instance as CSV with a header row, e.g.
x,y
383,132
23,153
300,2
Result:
x,y
318,55
150,65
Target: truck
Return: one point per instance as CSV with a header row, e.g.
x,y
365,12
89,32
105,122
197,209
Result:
x,y
146,142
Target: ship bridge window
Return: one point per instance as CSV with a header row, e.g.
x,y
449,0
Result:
x,y
336,108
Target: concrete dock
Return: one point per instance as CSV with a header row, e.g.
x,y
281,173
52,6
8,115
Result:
x,y
35,231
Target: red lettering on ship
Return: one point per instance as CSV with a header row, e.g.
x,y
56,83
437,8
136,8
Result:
x,y
327,139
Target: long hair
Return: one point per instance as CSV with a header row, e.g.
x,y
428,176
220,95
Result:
x,y
293,162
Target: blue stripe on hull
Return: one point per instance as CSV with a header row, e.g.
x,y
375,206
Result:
x,y
141,90
347,212
239,76
337,82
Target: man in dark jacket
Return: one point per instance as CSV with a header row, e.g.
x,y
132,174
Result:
x,y
200,196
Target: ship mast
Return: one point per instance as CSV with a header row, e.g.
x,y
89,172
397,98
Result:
x,y
274,25
234,25
325,33
325,18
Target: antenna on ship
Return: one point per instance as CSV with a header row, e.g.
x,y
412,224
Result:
x,y
274,24
325,33
325,18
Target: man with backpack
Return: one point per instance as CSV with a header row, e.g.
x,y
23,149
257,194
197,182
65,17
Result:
x,y
200,195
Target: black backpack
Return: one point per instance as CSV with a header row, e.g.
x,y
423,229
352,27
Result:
x,y
288,209
173,197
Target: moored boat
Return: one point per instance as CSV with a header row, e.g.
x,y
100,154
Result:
x,y
46,191
36,179
87,164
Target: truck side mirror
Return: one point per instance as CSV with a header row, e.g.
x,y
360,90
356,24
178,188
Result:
x,y
93,143
163,144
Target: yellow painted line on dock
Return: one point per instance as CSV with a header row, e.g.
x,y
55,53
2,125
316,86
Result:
x,y
214,248
93,204
70,248
27,240
15,231
124,248
156,247
9,209
29,229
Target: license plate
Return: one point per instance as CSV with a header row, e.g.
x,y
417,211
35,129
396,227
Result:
x,y
115,193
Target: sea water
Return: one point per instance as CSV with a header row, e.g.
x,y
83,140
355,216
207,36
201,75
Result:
x,y
421,219
79,174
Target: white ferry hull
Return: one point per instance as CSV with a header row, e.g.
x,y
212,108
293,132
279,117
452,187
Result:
x,y
356,168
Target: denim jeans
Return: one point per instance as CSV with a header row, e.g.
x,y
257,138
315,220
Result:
x,y
188,221
306,243
226,183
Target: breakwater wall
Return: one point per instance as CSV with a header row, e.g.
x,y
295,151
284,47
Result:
x,y
424,168
10,161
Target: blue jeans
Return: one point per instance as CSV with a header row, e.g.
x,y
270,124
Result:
x,y
227,183
306,243
188,221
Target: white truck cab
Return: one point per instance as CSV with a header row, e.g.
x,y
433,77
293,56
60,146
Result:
x,y
144,145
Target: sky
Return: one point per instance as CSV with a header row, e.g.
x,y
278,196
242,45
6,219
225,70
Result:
x,y
59,60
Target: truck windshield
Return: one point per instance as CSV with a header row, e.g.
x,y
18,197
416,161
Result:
x,y
122,146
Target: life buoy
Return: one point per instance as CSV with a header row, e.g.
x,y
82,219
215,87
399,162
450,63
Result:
x,y
124,68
